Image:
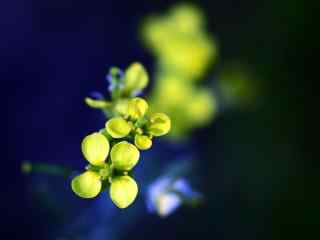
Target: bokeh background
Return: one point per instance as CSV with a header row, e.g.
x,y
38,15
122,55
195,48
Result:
x,y
256,182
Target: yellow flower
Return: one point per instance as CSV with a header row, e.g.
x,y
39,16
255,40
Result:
x,y
124,156
142,142
160,124
123,191
118,127
95,148
137,107
87,184
135,79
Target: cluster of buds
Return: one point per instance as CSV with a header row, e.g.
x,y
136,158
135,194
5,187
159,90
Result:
x,y
114,151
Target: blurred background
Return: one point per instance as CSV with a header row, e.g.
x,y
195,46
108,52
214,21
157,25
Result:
x,y
249,161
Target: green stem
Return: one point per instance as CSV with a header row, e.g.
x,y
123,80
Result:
x,y
43,168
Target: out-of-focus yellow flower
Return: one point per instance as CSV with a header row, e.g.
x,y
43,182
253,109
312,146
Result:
x,y
188,18
123,191
118,127
160,124
180,41
170,91
137,108
189,57
188,106
142,142
135,79
124,156
202,107
95,148
184,51
87,184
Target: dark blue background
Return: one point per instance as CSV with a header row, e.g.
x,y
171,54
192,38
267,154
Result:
x,y
54,52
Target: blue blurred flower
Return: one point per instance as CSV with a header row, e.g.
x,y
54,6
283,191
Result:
x,y
167,194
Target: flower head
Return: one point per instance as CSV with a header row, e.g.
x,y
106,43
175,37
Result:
x,y
128,129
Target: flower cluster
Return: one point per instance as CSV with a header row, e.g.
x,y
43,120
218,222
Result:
x,y
114,151
180,41
184,51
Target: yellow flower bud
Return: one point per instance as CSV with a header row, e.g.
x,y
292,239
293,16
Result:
x,y
137,107
142,142
136,78
124,156
95,148
123,191
118,127
86,185
160,124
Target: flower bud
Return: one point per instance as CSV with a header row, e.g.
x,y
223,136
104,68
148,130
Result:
x,y
86,185
123,191
142,142
124,156
160,124
95,148
135,79
118,127
137,108
96,103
